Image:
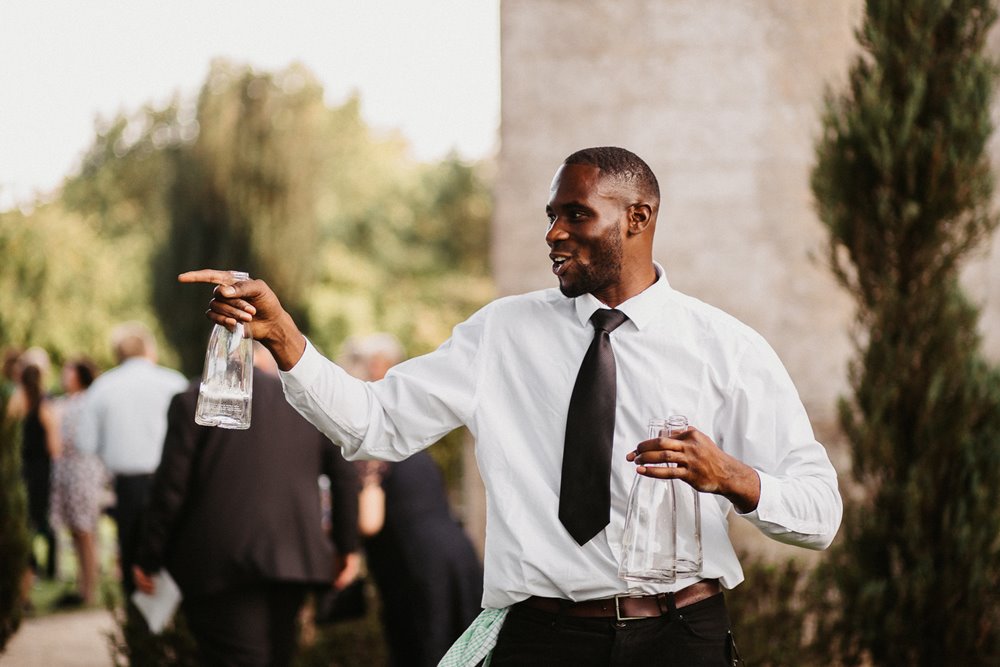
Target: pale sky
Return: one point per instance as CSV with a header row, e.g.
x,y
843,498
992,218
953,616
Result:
x,y
428,68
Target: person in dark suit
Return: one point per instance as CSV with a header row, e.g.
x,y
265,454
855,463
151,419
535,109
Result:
x,y
236,519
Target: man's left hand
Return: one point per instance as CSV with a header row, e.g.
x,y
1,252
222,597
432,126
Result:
x,y
700,463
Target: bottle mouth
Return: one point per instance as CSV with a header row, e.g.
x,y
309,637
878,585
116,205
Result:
x,y
672,421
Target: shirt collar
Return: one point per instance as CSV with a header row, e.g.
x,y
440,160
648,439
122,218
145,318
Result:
x,y
640,309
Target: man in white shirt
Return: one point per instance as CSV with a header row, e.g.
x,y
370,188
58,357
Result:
x,y
508,372
124,420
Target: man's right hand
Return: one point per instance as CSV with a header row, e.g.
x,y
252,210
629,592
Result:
x,y
143,580
254,304
346,568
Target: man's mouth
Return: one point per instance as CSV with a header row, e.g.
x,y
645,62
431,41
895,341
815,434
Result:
x,y
559,263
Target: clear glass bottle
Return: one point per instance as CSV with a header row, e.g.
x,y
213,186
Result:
x,y
662,538
227,381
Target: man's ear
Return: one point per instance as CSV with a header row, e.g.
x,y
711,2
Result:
x,y
639,217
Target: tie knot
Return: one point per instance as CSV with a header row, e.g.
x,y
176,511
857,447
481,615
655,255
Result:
x,y
607,320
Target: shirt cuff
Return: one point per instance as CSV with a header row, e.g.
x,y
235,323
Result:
x,y
774,518
304,372
765,504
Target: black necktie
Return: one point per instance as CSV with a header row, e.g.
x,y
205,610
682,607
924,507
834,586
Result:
x,y
585,490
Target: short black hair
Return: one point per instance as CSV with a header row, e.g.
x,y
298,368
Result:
x,y
622,165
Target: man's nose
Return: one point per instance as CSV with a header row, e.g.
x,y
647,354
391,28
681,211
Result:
x,y
556,232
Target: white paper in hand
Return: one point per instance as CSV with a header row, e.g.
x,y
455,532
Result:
x,y
159,607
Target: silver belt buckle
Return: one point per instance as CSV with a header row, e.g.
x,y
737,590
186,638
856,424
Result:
x,y
618,611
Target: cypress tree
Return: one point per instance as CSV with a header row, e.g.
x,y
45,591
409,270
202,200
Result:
x,y
903,183
243,196
14,540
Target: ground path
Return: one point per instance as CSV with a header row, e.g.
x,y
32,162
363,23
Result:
x,y
70,639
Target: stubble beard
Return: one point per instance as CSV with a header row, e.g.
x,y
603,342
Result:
x,y
603,270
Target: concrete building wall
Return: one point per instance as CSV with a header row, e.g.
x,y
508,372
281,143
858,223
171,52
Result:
x,y
722,98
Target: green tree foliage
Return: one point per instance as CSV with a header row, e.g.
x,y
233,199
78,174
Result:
x,y
244,194
14,540
412,261
63,286
903,183
122,185
425,222
259,174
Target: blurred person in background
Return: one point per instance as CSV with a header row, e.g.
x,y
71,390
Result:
x,y
40,445
236,518
123,421
427,572
15,361
78,481
8,373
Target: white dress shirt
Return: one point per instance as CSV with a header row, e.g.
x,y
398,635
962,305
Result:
x,y
507,374
124,415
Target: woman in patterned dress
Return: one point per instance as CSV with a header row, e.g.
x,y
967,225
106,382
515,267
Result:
x,y
78,479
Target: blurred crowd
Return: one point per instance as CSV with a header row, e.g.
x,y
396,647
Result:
x,y
66,488
261,528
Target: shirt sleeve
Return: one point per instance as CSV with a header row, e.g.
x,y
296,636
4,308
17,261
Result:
x,y
87,435
417,402
766,426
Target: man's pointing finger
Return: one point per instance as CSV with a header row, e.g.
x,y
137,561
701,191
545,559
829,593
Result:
x,y
213,276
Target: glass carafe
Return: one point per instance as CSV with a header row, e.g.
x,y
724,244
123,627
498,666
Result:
x,y
662,538
227,381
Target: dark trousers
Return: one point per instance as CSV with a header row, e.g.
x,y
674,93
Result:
x,y
251,626
695,635
37,484
131,495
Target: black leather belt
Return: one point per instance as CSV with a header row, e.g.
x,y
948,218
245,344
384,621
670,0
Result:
x,y
626,607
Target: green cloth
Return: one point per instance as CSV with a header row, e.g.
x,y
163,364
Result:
x,y
477,641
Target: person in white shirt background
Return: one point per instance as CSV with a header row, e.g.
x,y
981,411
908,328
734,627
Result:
x,y
123,420
507,373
